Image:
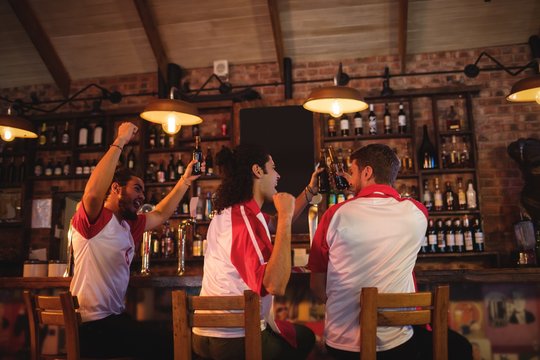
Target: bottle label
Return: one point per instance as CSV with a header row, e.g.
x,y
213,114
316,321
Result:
x,y
440,241
98,135
468,241
66,170
131,164
372,125
450,239
161,176
65,138
387,122
78,170
459,239
344,124
38,170
83,136
402,120
48,171
432,239
479,237
358,122
438,200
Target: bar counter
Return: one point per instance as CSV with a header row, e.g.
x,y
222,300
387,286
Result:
x,y
194,278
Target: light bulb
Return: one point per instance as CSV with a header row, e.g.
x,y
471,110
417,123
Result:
x,y
537,97
6,134
172,126
335,109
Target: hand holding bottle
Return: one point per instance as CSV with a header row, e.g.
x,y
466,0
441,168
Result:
x,y
187,178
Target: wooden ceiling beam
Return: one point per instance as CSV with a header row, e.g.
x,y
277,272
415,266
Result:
x,y
278,37
42,43
402,33
150,27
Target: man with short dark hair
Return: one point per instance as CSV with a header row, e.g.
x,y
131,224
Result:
x,y
106,232
371,240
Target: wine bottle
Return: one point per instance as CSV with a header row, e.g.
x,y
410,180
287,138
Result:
x,y
387,120
428,198
65,134
458,234
161,142
344,125
462,198
53,136
66,169
49,169
427,156
468,234
432,237
444,155
83,135
43,135
471,197
152,136
161,172
58,168
335,168
131,159
209,162
450,198
450,237
197,155
323,182
331,127
358,126
171,169
454,154
97,138
438,197
372,121
38,167
478,236
424,244
179,166
402,120
441,236
78,168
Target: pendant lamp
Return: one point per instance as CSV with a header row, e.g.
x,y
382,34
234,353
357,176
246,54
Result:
x,y
172,114
526,90
12,126
335,100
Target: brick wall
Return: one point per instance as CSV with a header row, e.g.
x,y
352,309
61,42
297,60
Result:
x,y
498,122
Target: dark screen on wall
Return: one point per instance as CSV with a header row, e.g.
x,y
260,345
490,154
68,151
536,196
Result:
x,y
287,132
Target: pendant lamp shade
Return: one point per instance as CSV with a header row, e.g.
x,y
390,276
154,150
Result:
x,y
335,100
162,110
526,90
12,126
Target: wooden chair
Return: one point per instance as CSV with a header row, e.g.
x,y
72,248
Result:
x,y
58,310
384,310
53,310
184,318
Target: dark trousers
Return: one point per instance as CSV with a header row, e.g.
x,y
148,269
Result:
x,y
121,335
273,346
419,347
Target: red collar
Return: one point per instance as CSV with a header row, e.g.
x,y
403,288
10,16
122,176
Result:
x,y
252,206
379,188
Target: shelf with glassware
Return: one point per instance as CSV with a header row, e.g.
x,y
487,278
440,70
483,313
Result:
x,y
455,217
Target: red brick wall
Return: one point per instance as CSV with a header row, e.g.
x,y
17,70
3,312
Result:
x,y
498,122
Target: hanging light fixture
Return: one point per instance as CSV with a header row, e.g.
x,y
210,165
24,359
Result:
x,y
526,90
172,114
12,126
335,100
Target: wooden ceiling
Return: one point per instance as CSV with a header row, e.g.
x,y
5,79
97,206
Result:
x,y
58,41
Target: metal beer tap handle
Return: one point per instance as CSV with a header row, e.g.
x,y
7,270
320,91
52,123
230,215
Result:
x,y
182,235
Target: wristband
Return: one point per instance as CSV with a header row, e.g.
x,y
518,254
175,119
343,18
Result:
x,y
311,190
118,146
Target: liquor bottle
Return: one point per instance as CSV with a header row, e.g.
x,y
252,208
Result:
x,y
83,135
49,169
38,167
471,196
465,156
199,209
454,154
427,156
156,248
195,131
197,155
22,170
432,237
462,198
459,237
323,181
444,155
452,120
97,135
58,168
332,198
450,198
160,175
468,234
171,168
208,207
131,159
165,238
340,182
441,236
65,134
437,197
171,140
358,126
424,244
224,128
340,197
53,136
93,165
450,236
209,162
402,120
344,125
86,167
161,142
428,198
66,168
387,120
179,167
331,127
372,121
478,236
152,136
78,168
43,135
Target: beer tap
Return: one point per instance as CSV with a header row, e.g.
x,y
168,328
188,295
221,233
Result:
x,y
182,239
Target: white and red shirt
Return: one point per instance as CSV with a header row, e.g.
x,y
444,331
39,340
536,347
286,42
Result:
x,y
102,254
371,240
237,253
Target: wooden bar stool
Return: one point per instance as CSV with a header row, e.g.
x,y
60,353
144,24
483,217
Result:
x,y
388,310
58,310
184,318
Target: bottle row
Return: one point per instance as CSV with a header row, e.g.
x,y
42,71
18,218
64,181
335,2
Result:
x,y
59,168
200,207
391,124
455,154
453,236
165,245
86,135
13,172
159,137
450,201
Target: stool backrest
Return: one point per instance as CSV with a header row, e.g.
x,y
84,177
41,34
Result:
x,y
53,310
398,309
184,318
